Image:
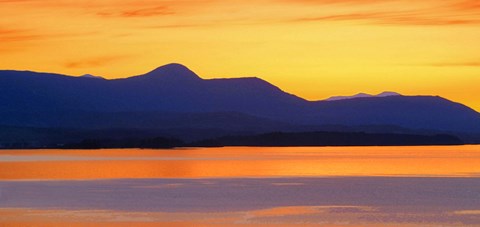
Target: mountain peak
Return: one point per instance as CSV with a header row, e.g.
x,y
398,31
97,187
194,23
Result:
x,y
388,93
174,71
90,76
173,67
364,95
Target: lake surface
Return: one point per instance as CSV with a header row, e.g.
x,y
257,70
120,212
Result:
x,y
326,186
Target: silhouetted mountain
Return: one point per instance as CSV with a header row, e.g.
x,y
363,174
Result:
x,y
92,77
171,73
173,97
415,112
363,95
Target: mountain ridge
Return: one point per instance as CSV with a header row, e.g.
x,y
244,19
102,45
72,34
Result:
x,y
364,95
33,99
90,76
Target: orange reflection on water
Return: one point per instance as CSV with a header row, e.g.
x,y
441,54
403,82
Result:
x,y
235,162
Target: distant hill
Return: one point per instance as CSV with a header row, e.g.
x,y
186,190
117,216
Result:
x,y
172,98
363,95
414,112
92,77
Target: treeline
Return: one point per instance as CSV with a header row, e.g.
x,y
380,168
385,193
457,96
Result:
x,y
331,139
267,139
158,142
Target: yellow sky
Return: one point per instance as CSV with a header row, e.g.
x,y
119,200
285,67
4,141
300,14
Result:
x,y
312,48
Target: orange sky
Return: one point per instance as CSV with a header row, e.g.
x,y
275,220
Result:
x,y
312,48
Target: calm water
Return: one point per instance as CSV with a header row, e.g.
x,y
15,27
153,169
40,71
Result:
x,y
327,186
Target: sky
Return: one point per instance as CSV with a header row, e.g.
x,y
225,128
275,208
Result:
x,y
312,48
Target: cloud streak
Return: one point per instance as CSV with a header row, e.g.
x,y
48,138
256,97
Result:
x,y
457,64
325,2
94,62
17,1
435,13
17,35
161,10
393,18
468,5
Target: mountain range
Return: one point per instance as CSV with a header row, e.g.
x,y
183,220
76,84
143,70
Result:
x,y
363,95
174,100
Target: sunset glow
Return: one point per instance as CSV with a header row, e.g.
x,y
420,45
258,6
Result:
x,y
312,48
251,162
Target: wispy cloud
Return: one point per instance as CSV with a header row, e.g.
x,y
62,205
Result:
x,y
174,26
467,5
428,13
339,17
17,35
17,1
457,64
14,35
95,62
161,10
324,2
393,18
106,8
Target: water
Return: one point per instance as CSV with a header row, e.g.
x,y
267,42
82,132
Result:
x,y
329,186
